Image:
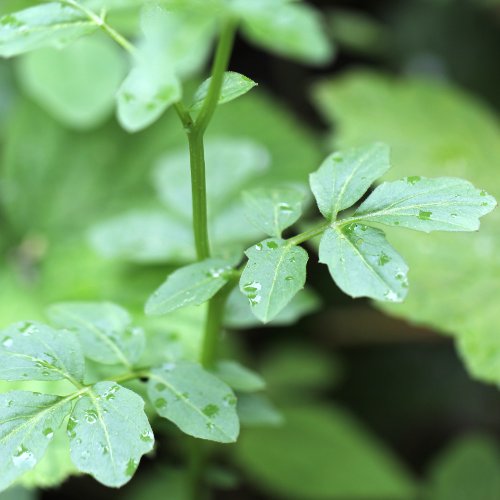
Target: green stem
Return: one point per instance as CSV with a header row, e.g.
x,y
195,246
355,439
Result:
x,y
310,233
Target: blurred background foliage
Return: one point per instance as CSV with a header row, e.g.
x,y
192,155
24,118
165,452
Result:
x,y
368,402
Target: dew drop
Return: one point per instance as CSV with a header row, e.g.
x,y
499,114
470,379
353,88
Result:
x,y
91,416
210,410
160,403
24,458
147,436
7,342
48,433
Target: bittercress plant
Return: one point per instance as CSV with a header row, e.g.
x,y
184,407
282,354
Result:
x,y
96,348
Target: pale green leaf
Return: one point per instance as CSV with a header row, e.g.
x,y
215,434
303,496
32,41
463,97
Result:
x,y
255,410
456,136
52,24
273,210
145,94
293,30
440,204
144,237
76,85
109,433
234,85
344,177
238,377
189,285
239,311
322,453
469,468
34,351
28,421
199,403
275,272
105,330
19,493
363,264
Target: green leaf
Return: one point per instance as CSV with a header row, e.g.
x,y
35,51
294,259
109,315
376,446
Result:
x,y
275,272
189,285
293,30
441,204
145,94
368,106
52,24
196,401
344,177
234,85
255,410
105,330
28,421
143,237
239,311
19,493
469,468
238,377
321,453
76,85
33,351
109,432
273,210
363,264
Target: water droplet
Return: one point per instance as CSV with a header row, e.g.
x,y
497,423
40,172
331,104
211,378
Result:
x,y
160,386
423,215
131,467
104,448
24,458
160,403
109,395
258,247
48,433
413,179
91,416
147,436
210,410
289,278
230,400
391,296
383,259
285,208
272,245
72,423
483,193
7,342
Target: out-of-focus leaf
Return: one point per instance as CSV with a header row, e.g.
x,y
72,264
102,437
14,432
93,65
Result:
x,y
238,377
434,130
76,85
53,24
19,493
255,410
322,453
162,482
469,468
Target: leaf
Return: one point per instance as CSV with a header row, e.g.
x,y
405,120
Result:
x,y
441,204
239,311
234,85
53,24
145,94
28,421
196,401
255,410
33,351
369,106
105,330
275,272
76,85
238,377
363,264
109,432
273,210
19,493
189,285
469,468
344,177
143,237
319,453
294,30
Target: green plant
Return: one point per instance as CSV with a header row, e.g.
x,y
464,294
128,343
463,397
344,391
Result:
x,y
108,429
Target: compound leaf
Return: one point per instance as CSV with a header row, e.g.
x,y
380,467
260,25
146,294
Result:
x,y
363,264
344,177
234,85
189,285
33,351
28,421
109,432
275,272
199,403
52,24
441,204
105,330
273,210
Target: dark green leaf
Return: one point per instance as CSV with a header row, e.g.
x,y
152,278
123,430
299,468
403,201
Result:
x,y
238,377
